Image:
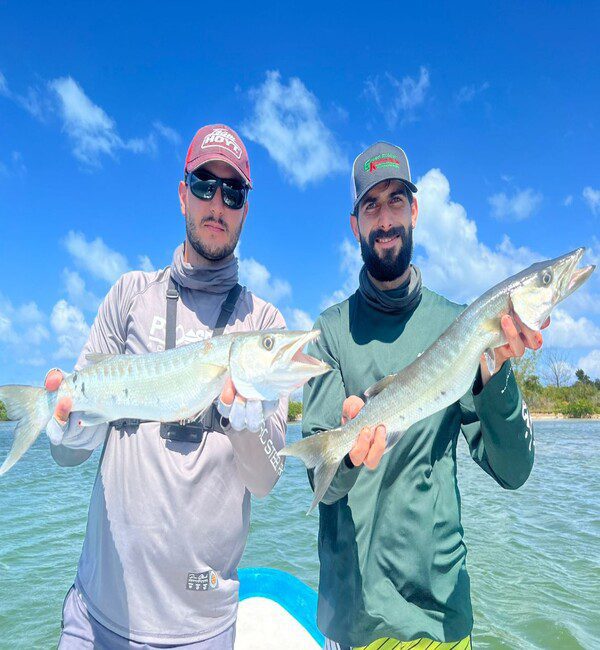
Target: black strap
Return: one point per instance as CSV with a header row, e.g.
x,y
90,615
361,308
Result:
x,y
227,309
171,316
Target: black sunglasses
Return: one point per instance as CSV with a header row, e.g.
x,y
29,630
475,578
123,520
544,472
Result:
x,y
203,185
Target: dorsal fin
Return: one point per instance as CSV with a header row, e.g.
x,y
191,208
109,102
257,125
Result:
x,y
97,357
377,387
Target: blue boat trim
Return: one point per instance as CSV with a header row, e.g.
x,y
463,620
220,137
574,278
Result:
x,y
297,598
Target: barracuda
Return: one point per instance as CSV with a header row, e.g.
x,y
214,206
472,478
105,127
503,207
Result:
x,y
171,386
446,370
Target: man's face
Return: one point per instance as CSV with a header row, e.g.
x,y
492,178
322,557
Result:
x,y
212,228
383,227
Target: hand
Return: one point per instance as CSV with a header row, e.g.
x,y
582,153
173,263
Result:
x,y
518,337
63,408
56,427
370,445
242,413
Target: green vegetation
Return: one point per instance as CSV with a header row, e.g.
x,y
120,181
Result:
x,y
2,412
294,411
577,400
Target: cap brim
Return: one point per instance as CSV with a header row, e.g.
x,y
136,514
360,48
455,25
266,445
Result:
x,y
411,186
195,164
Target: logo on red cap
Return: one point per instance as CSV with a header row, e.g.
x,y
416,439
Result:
x,y
222,138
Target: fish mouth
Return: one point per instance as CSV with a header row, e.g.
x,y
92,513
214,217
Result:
x,y
573,277
292,355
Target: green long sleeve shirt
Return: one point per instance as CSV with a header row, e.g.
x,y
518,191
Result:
x,y
393,559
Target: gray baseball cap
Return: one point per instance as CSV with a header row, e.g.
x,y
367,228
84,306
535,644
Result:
x,y
380,162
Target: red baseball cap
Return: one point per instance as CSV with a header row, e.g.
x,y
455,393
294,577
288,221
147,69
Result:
x,y
218,142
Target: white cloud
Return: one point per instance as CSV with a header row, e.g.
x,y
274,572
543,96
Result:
x,y
23,325
286,122
350,265
590,364
258,279
568,332
145,263
568,200
516,208
70,328
455,262
297,319
592,198
467,93
395,98
77,292
32,101
96,257
166,132
93,132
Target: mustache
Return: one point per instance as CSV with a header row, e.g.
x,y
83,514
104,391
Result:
x,y
399,231
213,219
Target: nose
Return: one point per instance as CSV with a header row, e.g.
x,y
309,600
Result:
x,y
216,203
385,219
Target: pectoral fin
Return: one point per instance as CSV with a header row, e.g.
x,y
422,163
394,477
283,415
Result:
x,y
377,387
490,360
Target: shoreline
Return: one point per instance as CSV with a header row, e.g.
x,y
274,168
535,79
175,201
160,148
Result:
x,y
560,416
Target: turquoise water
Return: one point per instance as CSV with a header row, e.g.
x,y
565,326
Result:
x,y
534,554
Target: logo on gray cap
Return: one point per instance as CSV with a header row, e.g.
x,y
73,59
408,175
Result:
x,y
380,162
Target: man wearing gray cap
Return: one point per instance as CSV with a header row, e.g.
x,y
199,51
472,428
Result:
x,y
390,537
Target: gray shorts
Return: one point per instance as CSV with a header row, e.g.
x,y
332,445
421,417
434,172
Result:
x,y
81,631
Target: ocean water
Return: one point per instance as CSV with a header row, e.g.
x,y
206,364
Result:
x,y
534,554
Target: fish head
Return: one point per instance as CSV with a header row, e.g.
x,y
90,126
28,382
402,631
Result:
x,y
270,364
538,289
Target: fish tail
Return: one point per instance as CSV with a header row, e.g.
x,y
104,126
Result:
x,y
32,409
320,453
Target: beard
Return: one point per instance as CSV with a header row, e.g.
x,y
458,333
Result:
x,y
391,265
206,250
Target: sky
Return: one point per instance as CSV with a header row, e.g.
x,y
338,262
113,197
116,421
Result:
x,y
495,104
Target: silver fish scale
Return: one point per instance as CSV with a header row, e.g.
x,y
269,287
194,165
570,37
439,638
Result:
x,y
166,386
412,395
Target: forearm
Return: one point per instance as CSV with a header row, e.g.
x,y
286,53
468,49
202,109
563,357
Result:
x,y
506,430
256,457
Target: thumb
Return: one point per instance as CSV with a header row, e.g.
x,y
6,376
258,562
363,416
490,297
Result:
x,y
228,392
63,410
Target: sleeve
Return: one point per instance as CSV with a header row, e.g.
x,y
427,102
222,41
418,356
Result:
x,y
255,453
107,335
322,409
498,429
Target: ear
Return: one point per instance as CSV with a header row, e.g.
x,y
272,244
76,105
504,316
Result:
x,y
182,189
414,209
354,226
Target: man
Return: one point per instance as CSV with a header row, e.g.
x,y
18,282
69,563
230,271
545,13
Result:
x,y
170,507
390,538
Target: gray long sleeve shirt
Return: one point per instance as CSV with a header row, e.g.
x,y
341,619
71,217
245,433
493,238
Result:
x,y
168,521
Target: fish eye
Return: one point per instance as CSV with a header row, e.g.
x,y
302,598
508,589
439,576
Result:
x,y
546,277
268,342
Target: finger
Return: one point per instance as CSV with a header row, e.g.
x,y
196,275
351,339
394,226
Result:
x,y
63,410
254,414
53,379
351,407
513,338
361,448
228,392
377,448
237,415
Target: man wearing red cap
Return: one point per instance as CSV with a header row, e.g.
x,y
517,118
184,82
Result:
x,y
170,507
